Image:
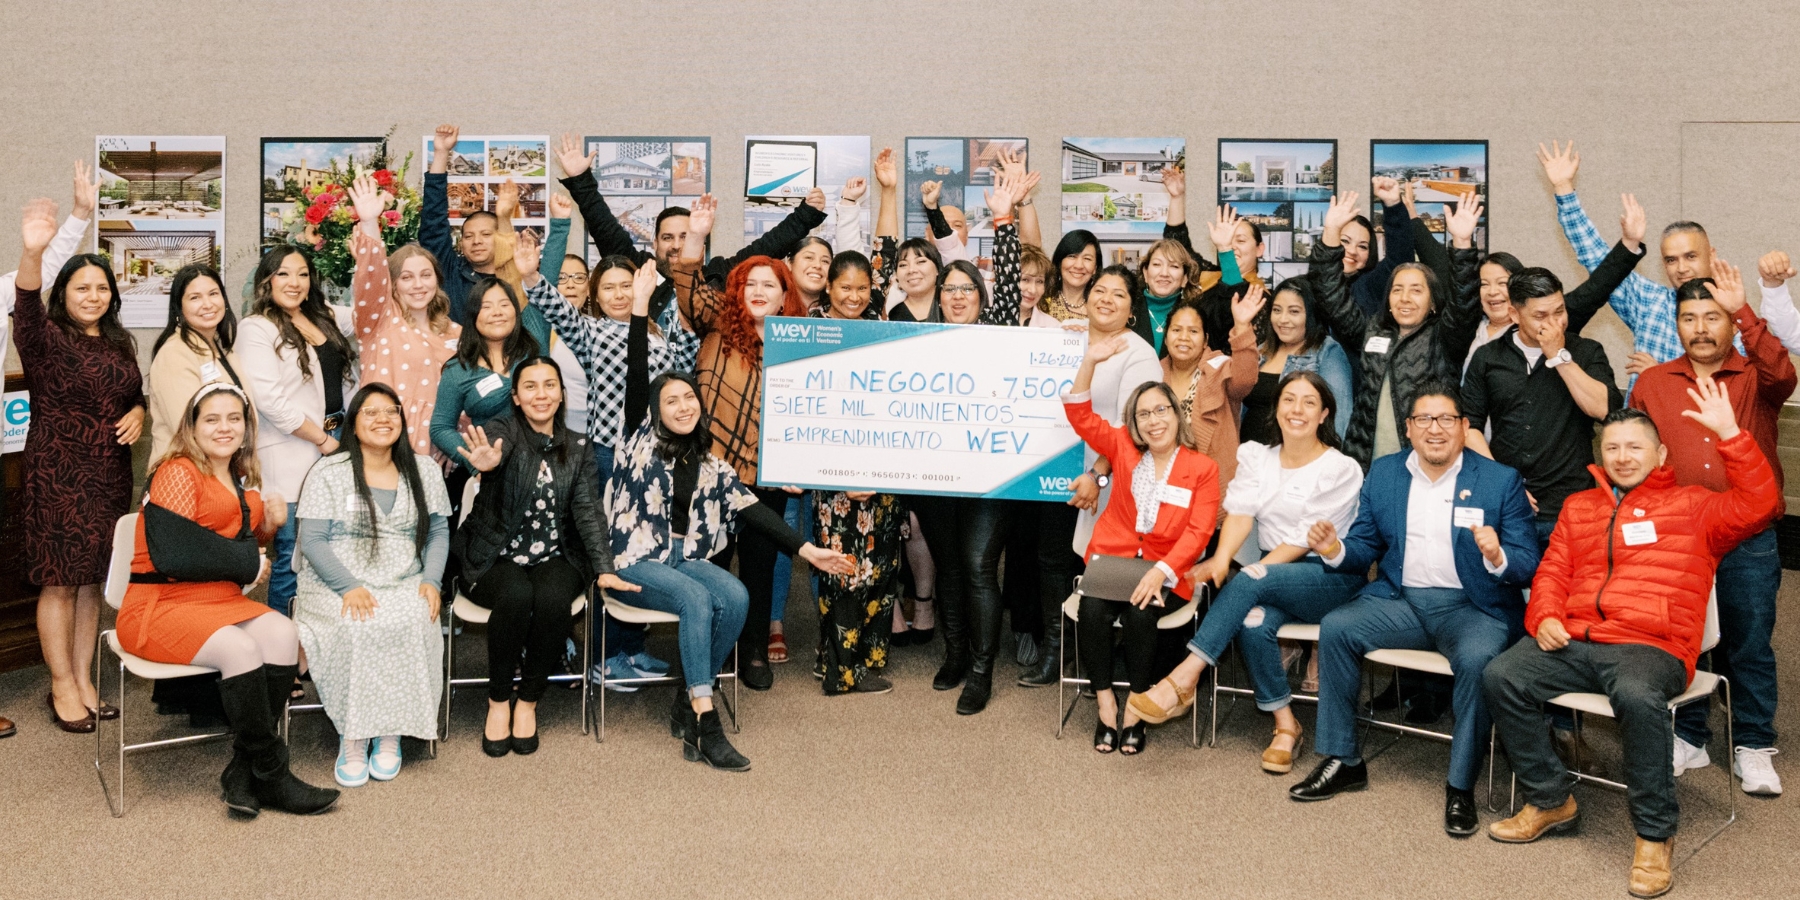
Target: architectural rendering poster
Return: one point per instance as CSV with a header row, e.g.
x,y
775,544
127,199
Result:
x,y
966,168
480,164
1113,188
1439,171
290,165
1284,187
160,209
779,171
641,176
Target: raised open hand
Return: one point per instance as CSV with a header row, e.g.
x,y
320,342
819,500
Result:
x,y
1175,182
38,224
1343,208
855,188
1632,222
1560,165
1713,408
1461,222
1222,227
87,191
506,200
1245,306
366,198
1728,285
701,214
482,456
643,287
569,156
527,254
1103,350
887,172
1005,193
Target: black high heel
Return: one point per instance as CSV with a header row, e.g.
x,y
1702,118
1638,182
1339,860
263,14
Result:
x,y
1133,738
503,746
1106,738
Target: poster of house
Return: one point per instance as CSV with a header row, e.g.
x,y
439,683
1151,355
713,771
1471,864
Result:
x,y
1113,188
480,164
290,165
1284,187
966,168
161,208
1440,172
640,176
777,167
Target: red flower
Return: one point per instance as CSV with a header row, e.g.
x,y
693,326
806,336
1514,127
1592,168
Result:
x,y
390,219
316,213
384,177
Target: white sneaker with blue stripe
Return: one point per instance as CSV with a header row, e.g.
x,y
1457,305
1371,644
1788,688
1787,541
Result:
x,y
352,762
384,760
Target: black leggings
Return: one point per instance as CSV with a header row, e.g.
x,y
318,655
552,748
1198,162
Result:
x,y
1095,631
530,614
756,554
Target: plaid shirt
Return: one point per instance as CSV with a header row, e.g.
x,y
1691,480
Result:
x,y
599,344
1647,308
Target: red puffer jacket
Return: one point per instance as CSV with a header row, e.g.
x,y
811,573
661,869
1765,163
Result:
x,y
1650,585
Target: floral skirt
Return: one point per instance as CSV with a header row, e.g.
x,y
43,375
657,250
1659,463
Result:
x,y
855,610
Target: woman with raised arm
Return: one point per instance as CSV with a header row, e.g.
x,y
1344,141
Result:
x,y
1165,516
87,402
1424,332
374,536
193,349
299,365
1281,490
906,279
196,552
402,313
534,541
1211,385
477,381
673,502
1294,340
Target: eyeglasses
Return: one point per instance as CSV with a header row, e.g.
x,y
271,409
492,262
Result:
x,y
381,412
962,289
1424,423
1154,413
571,278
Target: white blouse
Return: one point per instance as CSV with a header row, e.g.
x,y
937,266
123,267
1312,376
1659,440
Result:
x,y
1286,502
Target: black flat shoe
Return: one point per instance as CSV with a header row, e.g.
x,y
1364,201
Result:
x,y
758,675
1133,739
524,746
1460,817
1106,738
496,749
1332,777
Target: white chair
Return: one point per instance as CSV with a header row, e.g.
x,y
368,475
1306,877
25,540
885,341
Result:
x,y
1703,687
610,607
1187,615
1429,662
118,579
1292,631
466,610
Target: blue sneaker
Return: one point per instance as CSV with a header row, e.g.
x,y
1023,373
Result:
x,y
384,759
353,763
616,667
648,666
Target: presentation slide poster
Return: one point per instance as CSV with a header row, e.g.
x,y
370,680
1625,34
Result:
x,y
966,167
480,164
161,208
1112,187
640,176
1285,187
1440,172
780,170
290,165
957,410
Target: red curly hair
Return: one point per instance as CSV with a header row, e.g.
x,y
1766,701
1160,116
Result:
x,y
738,330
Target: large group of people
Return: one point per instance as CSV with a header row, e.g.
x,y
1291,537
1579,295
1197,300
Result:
x,y
1397,446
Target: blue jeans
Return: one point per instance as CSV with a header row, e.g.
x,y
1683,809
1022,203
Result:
x,y
1438,619
1748,580
711,603
283,583
622,638
799,518
1302,591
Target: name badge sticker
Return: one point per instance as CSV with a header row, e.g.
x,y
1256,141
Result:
x,y
1637,533
1297,489
209,373
1218,362
1176,496
1467,517
488,385
1377,344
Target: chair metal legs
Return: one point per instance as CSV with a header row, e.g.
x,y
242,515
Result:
x,y
730,707
451,681
114,793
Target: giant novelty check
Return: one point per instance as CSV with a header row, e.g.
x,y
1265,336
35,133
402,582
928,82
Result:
x,y
962,410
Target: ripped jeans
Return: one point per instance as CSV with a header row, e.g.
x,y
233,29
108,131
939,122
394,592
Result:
x,y
1302,591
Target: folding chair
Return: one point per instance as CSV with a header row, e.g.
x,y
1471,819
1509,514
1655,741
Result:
x,y
466,610
1430,662
1188,615
624,612
1292,631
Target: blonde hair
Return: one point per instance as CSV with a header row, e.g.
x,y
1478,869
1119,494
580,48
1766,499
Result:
x,y
437,311
186,444
1178,254
1033,255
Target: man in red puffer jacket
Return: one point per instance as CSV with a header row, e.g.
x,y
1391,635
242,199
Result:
x,y
1618,607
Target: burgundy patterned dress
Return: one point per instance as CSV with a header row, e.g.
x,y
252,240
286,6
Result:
x,y
77,475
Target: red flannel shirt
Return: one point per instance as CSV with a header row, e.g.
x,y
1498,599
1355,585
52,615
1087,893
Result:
x,y
1757,384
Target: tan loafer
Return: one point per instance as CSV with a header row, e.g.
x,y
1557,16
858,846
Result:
x,y
1281,762
1650,873
1147,709
1531,823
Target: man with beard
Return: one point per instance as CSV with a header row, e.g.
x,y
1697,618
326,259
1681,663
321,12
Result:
x,y
1710,312
1454,535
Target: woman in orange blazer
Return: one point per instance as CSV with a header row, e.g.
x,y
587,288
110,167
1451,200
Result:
x,y
1164,511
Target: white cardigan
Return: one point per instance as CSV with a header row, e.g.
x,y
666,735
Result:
x,y
284,401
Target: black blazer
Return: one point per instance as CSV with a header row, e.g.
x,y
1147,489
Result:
x,y
499,509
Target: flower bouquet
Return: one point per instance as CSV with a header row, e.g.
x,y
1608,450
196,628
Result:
x,y
323,216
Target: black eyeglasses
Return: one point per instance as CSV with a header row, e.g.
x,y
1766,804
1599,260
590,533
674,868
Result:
x,y
1424,423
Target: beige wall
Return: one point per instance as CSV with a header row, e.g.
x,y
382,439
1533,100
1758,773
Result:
x,y
1620,78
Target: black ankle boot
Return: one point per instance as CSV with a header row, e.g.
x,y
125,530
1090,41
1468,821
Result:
x,y
681,716
707,743
976,692
1048,671
951,674
251,706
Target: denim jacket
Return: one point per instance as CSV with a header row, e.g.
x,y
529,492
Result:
x,y
1333,365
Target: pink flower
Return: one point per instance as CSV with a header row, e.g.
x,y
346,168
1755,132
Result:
x,y
390,219
384,177
316,213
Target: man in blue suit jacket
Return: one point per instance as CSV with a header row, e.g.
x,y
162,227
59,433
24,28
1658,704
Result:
x,y
1454,536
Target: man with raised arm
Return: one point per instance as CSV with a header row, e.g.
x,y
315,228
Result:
x,y
1618,607
466,260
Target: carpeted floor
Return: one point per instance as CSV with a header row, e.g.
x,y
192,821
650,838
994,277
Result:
x,y
883,796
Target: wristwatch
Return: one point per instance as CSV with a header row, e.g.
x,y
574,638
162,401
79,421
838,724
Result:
x,y
1099,479
1562,356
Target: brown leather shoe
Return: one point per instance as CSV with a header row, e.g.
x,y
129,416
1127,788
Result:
x,y
7,728
1531,823
1650,873
83,725
1281,762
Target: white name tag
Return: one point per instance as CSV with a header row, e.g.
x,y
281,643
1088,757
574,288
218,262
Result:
x,y
1176,496
1218,362
488,385
450,344
1639,533
1466,517
1297,489
209,373
1377,344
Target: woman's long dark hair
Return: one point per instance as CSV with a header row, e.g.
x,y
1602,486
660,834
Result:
x,y
403,460
669,445
1072,243
224,336
471,348
314,308
1327,430
1315,324
110,328
558,430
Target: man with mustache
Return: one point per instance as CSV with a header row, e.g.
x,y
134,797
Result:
x,y
1710,312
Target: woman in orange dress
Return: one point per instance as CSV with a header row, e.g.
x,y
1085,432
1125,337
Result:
x,y
186,605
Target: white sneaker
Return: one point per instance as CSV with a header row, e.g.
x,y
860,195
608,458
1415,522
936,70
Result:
x,y
1688,756
1755,770
384,759
352,768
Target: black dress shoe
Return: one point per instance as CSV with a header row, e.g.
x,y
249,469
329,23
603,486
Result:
x,y
1331,778
977,690
758,675
950,676
1426,708
496,749
1460,818
524,746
